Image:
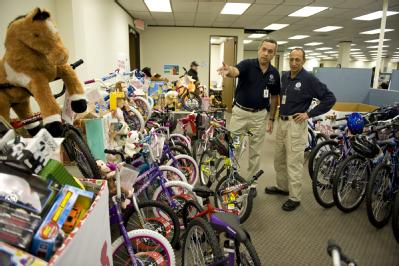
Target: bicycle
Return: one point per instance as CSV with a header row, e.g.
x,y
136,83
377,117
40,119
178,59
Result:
x,y
136,247
238,247
74,144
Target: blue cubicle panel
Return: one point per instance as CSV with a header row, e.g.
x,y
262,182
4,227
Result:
x,y
381,97
394,83
348,84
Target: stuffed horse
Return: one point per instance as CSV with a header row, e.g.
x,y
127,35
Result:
x,y
35,56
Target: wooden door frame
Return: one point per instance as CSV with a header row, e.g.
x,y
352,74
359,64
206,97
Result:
x,y
131,28
210,55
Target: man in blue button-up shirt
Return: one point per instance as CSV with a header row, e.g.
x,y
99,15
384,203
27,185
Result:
x,y
298,89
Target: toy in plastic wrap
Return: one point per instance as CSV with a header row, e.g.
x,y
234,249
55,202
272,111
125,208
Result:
x,y
49,233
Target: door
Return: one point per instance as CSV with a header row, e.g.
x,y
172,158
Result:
x,y
134,49
229,59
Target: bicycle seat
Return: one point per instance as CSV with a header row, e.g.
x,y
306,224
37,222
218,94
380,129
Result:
x,y
230,224
203,191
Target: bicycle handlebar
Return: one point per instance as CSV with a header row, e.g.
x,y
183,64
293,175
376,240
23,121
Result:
x,y
335,252
115,152
77,63
73,65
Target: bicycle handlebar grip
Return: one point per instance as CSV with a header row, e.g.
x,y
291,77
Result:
x,y
340,119
89,81
258,174
77,63
115,152
331,245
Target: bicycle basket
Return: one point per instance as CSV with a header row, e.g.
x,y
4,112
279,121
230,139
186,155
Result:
x,y
128,175
157,146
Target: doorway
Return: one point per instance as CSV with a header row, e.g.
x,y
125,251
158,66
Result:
x,y
222,49
134,48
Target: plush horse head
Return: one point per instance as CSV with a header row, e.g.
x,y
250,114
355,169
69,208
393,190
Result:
x,y
37,32
35,56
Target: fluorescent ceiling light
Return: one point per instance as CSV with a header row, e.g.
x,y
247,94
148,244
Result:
x,y
308,51
355,49
281,42
323,48
158,5
375,15
256,35
307,11
328,28
276,26
376,51
376,46
247,41
298,37
377,40
234,8
376,31
293,47
315,54
313,43
331,52
356,53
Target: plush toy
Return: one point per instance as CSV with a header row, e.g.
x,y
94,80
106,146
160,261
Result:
x,y
107,171
35,56
171,99
132,143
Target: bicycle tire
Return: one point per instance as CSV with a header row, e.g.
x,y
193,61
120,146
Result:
x,y
205,178
337,183
249,202
190,96
175,151
166,210
183,147
395,218
314,153
255,261
143,106
135,122
78,151
191,175
371,186
316,183
177,137
185,211
213,242
145,234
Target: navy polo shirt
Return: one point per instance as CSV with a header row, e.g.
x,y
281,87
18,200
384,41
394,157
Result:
x,y
252,83
300,92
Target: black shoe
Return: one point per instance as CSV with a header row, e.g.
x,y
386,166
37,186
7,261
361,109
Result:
x,y
290,205
275,191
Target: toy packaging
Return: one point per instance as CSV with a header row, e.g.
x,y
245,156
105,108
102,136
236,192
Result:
x,y
56,171
11,256
49,234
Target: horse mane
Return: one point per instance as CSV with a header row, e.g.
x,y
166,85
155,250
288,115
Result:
x,y
17,18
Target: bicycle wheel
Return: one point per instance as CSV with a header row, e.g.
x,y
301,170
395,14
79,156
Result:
x,y
175,151
150,248
78,151
379,196
247,254
190,209
175,195
134,119
200,245
157,217
395,217
192,102
238,202
315,154
143,107
180,138
199,147
187,165
181,148
208,168
324,173
349,186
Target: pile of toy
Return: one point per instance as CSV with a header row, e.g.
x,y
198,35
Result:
x,y
41,203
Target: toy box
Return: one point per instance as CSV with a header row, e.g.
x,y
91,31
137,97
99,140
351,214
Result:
x,y
49,233
11,256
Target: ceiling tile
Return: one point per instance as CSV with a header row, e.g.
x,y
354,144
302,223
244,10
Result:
x,y
227,18
284,10
184,16
162,16
209,7
183,6
258,10
142,15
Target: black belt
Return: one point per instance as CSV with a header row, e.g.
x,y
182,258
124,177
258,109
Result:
x,y
286,117
247,109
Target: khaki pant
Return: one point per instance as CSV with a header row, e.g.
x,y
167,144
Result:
x,y
240,122
290,144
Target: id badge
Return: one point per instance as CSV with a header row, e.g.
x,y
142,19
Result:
x,y
284,99
266,93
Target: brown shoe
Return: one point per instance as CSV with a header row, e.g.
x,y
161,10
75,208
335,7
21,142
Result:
x,y
275,191
290,205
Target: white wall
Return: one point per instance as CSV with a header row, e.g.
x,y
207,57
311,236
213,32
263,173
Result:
x,y
250,54
217,54
180,46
